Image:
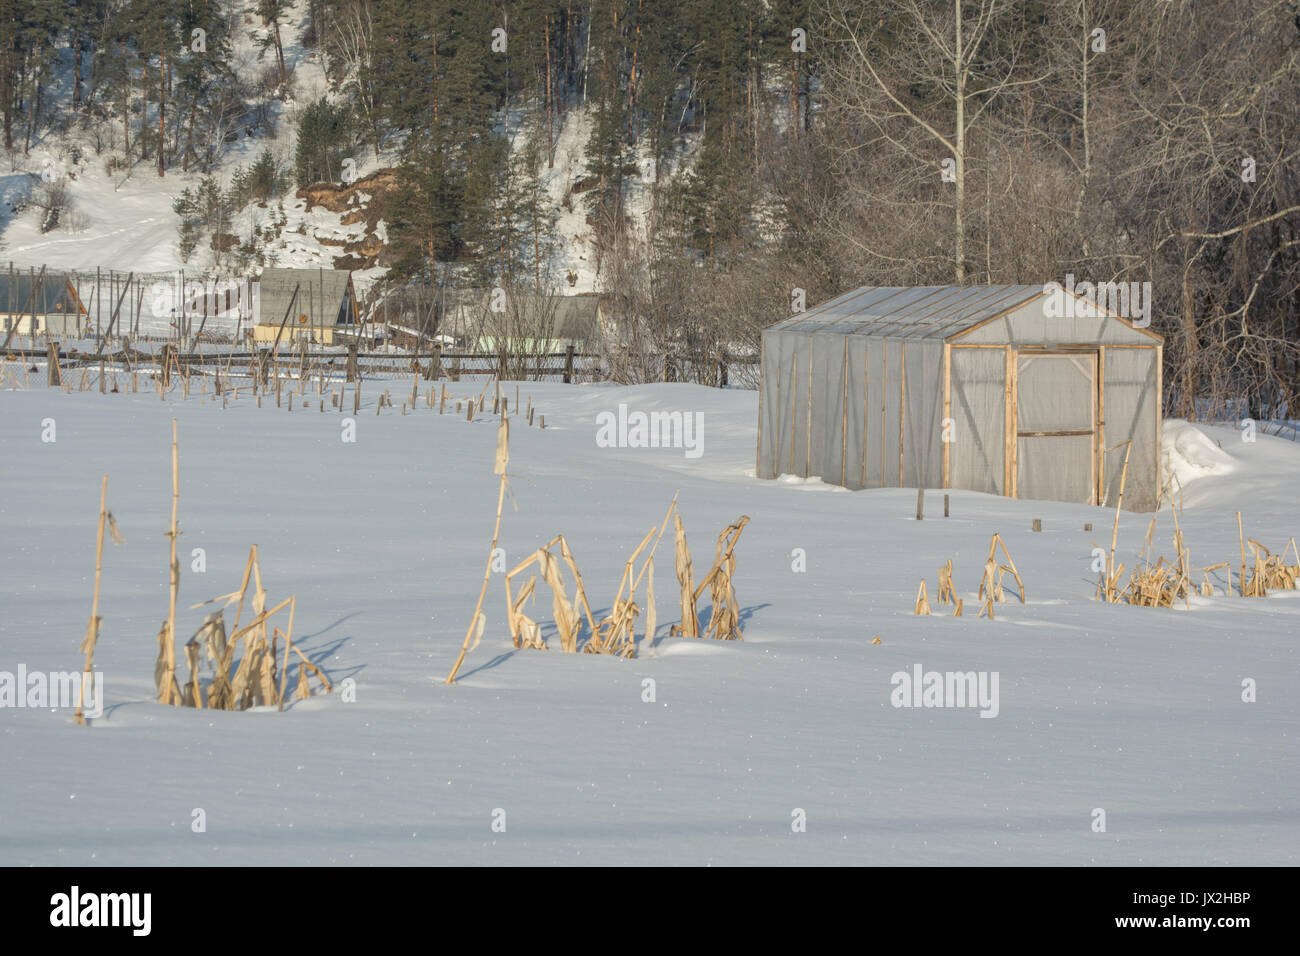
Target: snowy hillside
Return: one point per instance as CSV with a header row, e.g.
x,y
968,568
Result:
x,y
1135,711
123,219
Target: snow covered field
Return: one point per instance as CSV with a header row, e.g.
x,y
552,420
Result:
x,y
1135,711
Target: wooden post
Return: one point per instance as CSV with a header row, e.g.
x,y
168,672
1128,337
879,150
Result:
x,y
920,503
945,506
568,364
54,376
352,368
1038,524
947,416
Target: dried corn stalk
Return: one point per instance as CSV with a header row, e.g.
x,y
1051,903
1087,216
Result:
x,y
686,581
991,586
477,622
524,631
922,600
724,615
616,634
946,593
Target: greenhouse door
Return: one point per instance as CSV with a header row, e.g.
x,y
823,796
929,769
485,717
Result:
x,y
1055,426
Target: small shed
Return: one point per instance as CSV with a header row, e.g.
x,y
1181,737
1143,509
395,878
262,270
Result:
x,y
1028,391
36,303
326,300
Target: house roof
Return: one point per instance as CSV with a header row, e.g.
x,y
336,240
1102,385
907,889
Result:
x,y
53,294
322,295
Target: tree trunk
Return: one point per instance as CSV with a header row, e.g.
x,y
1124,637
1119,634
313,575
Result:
x,y
76,69
162,112
959,246
550,156
279,52
6,78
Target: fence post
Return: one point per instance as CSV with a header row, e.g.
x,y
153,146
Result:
x,y
568,364
435,363
263,365
53,378
722,371
352,362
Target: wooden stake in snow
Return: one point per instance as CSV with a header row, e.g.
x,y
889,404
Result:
x,y
477,622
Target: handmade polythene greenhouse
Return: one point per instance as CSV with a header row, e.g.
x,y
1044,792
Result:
x,y
1018,390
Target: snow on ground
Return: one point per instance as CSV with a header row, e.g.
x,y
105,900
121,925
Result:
x,y
1189,453
1135,711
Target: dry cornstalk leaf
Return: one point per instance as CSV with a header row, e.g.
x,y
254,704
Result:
x,y
922,600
